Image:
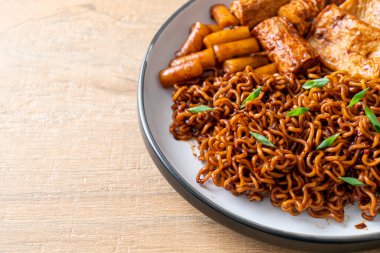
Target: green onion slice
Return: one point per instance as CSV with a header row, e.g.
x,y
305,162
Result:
x,y
199,108
297,112
264,140
358,97
352,181
372,117
251,97
316,83
328,142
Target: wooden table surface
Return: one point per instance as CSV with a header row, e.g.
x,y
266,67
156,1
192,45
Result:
x,y
75,174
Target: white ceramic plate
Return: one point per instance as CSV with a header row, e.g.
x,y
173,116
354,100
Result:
x,y
177,163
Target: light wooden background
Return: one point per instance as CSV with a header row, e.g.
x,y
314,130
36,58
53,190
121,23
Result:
x,y
74,173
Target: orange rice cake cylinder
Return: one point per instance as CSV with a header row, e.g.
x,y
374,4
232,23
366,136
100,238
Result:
x,y
194,42
239,64
181,73
269,69
237,48
225,36
223,16
207,58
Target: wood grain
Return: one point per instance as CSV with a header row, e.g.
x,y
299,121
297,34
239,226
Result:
x,y
75,175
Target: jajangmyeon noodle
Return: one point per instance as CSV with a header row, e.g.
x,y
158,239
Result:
x,y
294,174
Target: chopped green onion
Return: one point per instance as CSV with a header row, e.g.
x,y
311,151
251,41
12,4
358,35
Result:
x,y
372,117
357,97
264,140
200,108
352,181
297,112
328,142
251,96
316,83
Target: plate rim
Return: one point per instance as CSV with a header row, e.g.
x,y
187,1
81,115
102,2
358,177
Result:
x,y
190,194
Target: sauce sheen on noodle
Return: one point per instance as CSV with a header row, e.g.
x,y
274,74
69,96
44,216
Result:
x,y
294,175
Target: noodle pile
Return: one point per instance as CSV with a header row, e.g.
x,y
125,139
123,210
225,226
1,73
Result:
x,y
294,175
